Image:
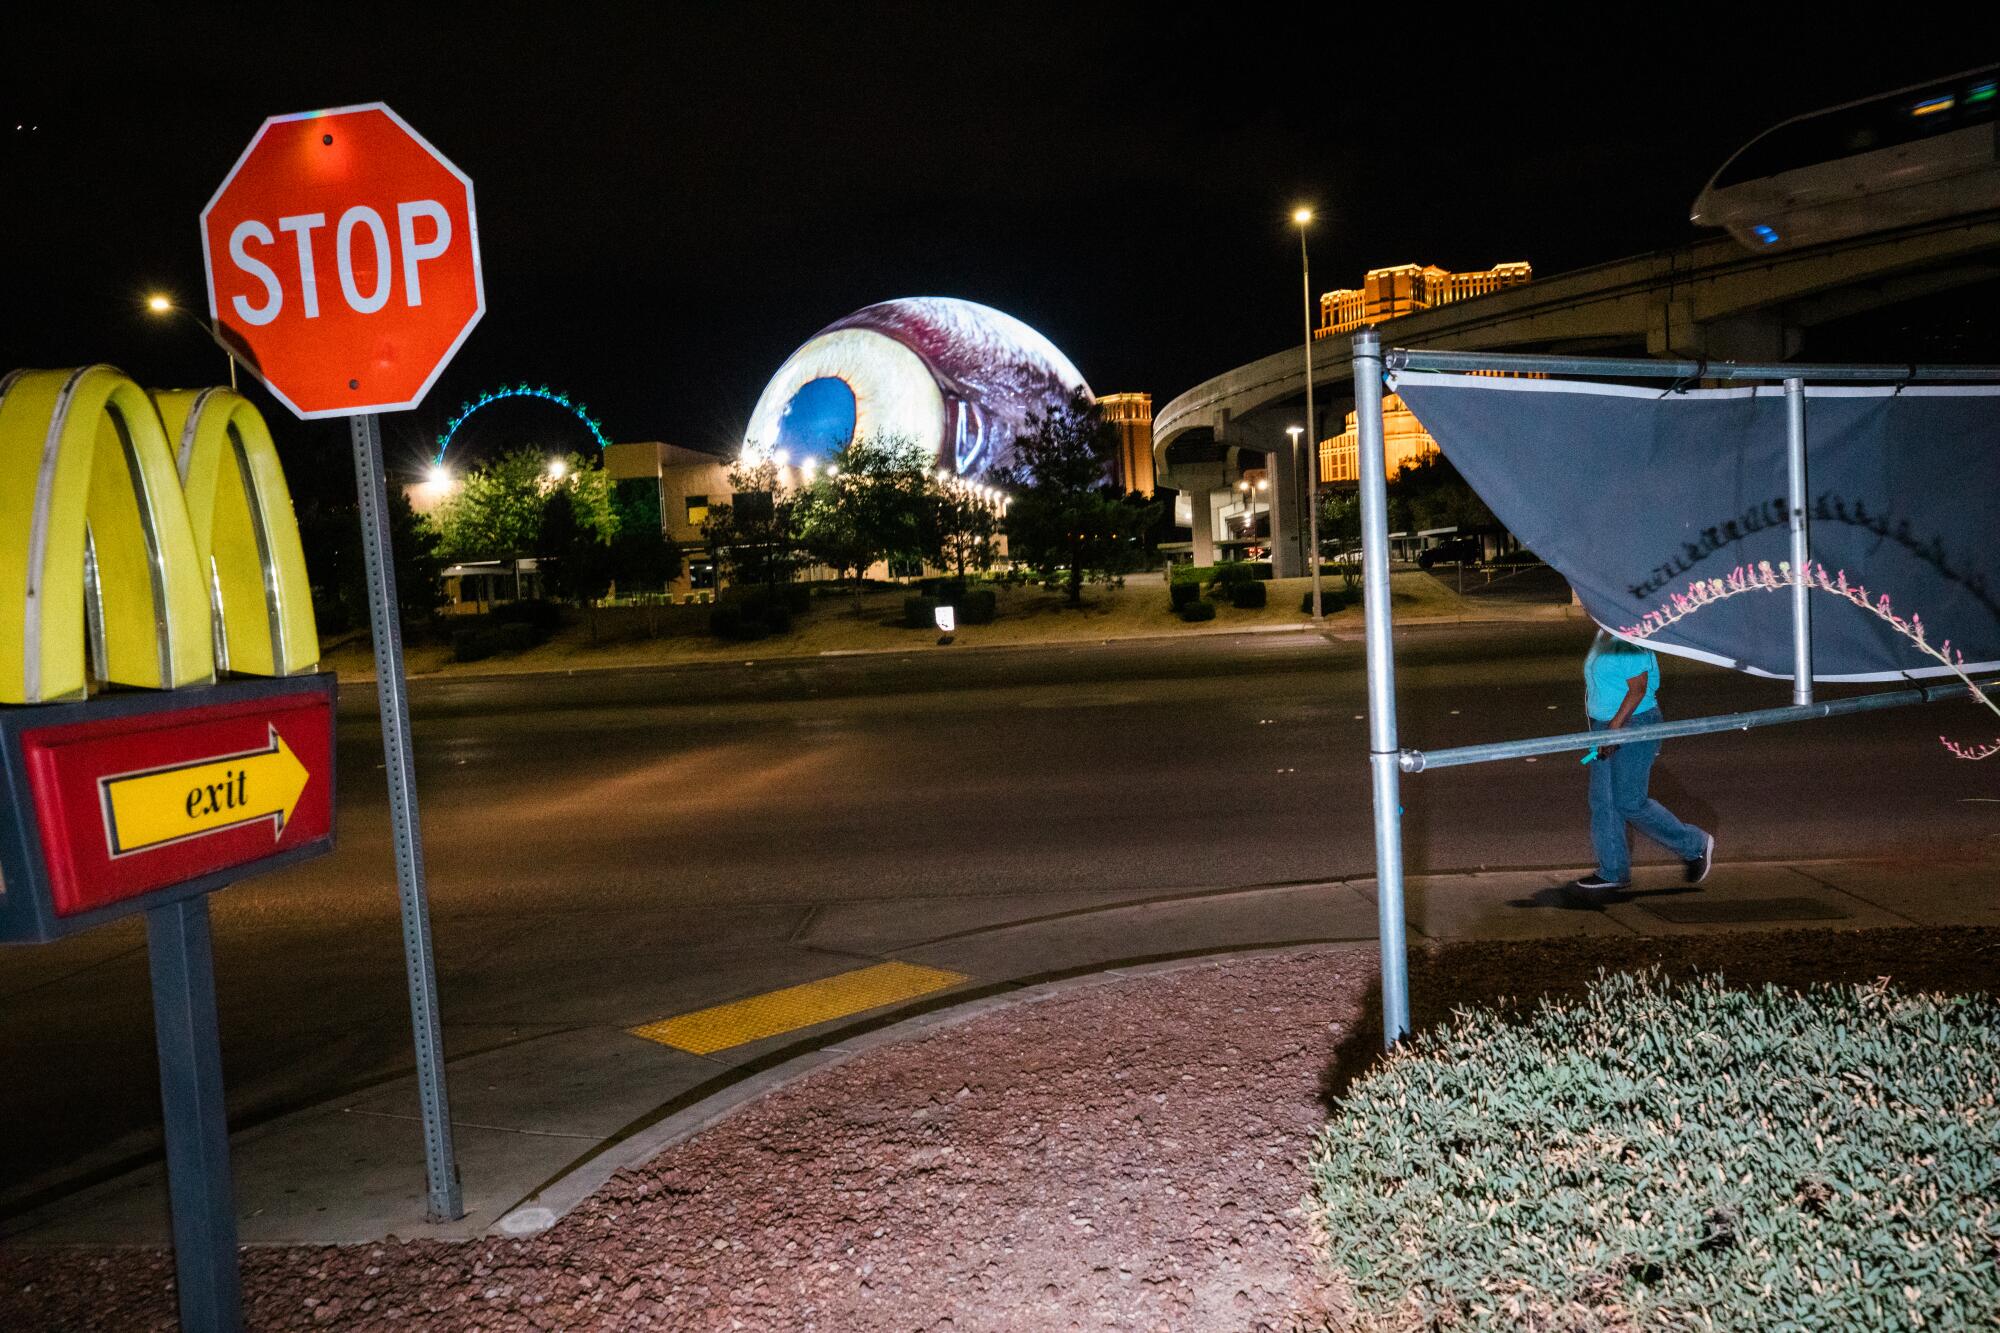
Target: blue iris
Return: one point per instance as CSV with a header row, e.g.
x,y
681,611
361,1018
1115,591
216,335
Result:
x,y
819,420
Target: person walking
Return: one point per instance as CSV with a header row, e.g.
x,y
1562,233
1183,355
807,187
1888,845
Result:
x,y
1621,683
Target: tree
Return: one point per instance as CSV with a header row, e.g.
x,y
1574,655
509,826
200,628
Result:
x,y
419,568
1340,528
869,505
1429,493
496,513
574,559
960,525
754,535
642,556
1064,517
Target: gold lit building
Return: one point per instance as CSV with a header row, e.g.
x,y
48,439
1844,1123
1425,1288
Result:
x,y
1404,440
1132,415
1386,293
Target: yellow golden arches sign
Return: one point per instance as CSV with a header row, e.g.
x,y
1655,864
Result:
x,y
101,570
246,536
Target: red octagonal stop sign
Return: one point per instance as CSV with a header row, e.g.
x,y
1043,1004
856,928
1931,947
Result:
x,y
343,261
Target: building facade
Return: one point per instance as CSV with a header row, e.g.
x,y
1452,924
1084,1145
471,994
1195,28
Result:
x,y
1404,441
1386,293
1131,415
687,481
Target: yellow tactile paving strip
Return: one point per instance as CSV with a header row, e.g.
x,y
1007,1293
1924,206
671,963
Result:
x,y
706,1031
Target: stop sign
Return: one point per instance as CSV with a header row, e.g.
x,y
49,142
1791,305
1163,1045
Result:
x,y
342,254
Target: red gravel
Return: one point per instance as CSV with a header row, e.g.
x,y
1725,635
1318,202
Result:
x,y
1122,1156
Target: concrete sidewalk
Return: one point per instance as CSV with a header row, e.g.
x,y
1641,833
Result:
x,y
541,1122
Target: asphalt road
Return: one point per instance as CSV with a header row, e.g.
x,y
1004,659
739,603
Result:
x,y
687,806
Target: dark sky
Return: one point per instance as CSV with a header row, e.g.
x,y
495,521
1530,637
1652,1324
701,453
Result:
x,y
673,197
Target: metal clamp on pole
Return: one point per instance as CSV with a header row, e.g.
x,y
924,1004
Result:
x,y
1382,753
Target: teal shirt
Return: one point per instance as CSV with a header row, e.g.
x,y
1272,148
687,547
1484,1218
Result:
x,y
1606,669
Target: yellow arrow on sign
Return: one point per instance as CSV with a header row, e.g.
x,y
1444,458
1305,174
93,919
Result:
x,y
162,805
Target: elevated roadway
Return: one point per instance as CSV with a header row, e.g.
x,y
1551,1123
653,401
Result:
x,y
1712,299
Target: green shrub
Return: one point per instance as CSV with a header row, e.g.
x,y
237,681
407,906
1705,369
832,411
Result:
x,y
798,598
543,616
1194,611
769,610
920,612
474,644
1246,596
516,638
1330,600
1191,574
1659,1155
1233,573
731,621
978,606
1180,594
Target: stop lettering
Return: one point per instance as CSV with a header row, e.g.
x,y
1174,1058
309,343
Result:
x,y
342,254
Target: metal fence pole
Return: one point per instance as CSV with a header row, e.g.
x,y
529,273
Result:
x,y
1795,465
446,1202
1382,754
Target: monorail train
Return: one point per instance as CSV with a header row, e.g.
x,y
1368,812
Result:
x,y
1916,155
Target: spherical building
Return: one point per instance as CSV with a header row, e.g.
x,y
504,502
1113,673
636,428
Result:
x,y
951,375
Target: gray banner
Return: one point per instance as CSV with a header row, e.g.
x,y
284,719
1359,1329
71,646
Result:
x,y
1664,509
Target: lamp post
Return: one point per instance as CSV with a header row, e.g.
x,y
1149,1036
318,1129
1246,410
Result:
x,y
1302,217
1313,423
160,304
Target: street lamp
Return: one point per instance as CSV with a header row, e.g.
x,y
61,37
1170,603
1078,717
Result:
x,y
1302,217
557,467
159,303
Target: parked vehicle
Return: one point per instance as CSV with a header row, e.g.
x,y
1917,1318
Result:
x,y
1457,551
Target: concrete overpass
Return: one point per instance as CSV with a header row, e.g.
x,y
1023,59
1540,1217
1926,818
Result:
x,y
1712,299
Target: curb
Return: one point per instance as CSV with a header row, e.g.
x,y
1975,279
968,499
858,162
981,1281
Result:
x,y
549,1203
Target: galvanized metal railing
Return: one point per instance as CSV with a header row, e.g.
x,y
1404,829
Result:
x,y
1388,762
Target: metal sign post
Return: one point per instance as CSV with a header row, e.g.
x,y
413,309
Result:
x,y
197,1122
446,1199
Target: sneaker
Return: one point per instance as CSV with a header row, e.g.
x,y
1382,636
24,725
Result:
x,y
1597,884
1697,868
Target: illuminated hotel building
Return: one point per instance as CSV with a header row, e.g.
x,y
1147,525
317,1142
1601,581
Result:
x,y
1131,415
1384,294
1405,289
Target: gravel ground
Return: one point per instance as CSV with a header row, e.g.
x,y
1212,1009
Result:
x,y
1125,1155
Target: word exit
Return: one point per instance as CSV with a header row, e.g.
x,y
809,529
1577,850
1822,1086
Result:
x,y
160,806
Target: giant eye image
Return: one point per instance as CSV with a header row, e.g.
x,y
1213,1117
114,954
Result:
x,y
955,376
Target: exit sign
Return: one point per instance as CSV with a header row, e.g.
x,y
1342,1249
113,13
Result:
x,y
139,799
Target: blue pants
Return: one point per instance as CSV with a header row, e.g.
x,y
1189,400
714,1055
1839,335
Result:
x,y
1618,797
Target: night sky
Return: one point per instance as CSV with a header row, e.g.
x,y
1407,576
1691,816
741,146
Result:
x,y
671,198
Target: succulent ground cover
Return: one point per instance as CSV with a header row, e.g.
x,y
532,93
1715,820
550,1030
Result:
x,y
1659,1154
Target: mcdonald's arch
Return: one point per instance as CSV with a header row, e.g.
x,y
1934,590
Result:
x,y
146,539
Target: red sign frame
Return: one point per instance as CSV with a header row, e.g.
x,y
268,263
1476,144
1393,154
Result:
x,y
64,868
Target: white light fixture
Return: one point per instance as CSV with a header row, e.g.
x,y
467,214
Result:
x,y
440,475
557,469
